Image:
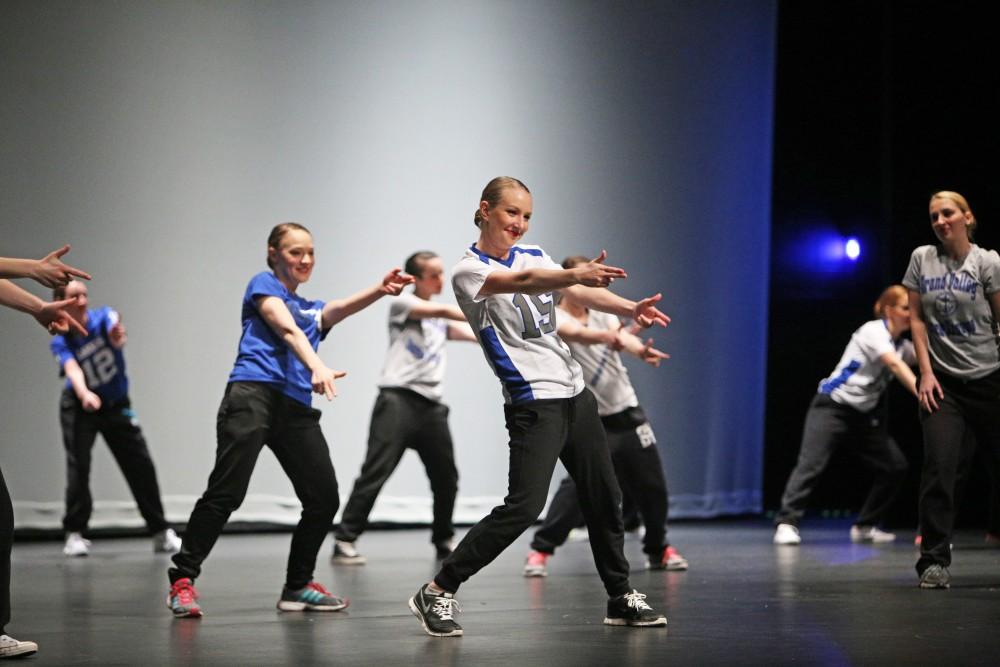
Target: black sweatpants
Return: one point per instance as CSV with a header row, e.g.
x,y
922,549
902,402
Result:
x,y
252,415
640,473
541,432
404,419
828,426
120,428
972,404
6,544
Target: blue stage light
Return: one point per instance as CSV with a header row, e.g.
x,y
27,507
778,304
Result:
x,y
852,249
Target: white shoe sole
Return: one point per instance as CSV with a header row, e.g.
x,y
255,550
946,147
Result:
x,y
348,560
416,612
620,622
288,605
535,573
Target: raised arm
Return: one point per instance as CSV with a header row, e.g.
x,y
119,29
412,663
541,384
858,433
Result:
x,y
928,387
538,281
339,309
50,315
425,309
88,399
49,270
276,314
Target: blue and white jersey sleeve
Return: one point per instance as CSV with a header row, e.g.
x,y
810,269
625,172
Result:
x,y
860,376
517,332
416,356
263,356
103,365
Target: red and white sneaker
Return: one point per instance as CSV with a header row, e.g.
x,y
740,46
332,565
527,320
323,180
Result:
x,y
535,564
670,559
183,599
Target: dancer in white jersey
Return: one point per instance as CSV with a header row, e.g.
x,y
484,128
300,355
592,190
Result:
x,y
594,338
408,412
52,272
849,408
954,292
507,294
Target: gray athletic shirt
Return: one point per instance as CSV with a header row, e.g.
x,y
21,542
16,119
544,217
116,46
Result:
x,y
953,299
416,356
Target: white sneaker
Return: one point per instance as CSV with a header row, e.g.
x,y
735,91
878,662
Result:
x,y
870,534
76,545
166,542
10,647
786,533
344,553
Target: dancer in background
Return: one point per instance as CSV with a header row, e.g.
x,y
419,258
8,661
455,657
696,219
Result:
x,y
51,272
96,400
594,339
268,402
850,409
408,412
954,295
507,294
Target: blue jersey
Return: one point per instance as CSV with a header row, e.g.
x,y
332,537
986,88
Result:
x,y
103,364
263,356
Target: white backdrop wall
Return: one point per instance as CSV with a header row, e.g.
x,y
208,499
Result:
x,y
164,139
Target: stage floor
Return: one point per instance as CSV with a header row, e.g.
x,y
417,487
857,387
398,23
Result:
x,y
744,601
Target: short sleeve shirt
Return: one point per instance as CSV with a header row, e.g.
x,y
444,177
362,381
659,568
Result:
x,y
263,356
603,370
954,302
860,376
103,364
416,357
517,332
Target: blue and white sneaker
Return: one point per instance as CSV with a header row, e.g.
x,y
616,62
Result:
x,y
311,598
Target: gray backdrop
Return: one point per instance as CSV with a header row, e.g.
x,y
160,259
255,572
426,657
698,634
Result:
x,y
164,139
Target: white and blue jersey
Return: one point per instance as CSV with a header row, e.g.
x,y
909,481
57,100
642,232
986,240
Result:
x,y
517,331
860,377
103,364
954,301
263,356
416,357
603,370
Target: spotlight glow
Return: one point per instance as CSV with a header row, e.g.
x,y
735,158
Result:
x,y
852,249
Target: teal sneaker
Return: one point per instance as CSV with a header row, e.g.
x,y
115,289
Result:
x,y
311,598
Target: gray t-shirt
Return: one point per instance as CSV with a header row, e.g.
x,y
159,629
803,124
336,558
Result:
x,y
416,357
953,299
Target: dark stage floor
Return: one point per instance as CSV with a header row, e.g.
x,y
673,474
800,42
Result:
x,y
744,601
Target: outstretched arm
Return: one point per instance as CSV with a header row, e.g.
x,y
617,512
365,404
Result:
x,y
338,309
49,270
640,349
276,314
538,281
574,331
51,315
425,309
644,312
903,373
461,331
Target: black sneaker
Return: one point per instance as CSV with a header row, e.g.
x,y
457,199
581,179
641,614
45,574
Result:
x,y
935,576
435,612
631,609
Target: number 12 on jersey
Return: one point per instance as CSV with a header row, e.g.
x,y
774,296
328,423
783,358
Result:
x,y
538,314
